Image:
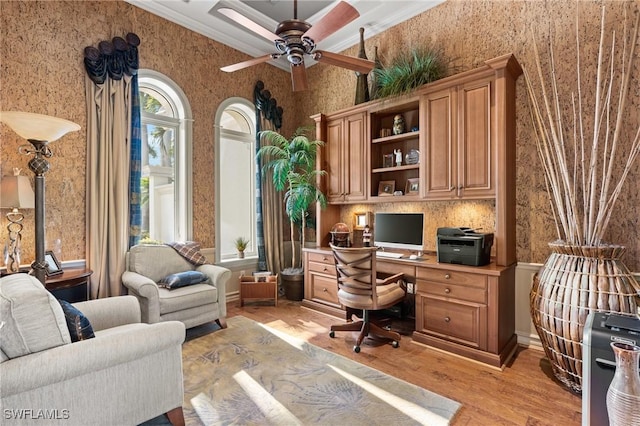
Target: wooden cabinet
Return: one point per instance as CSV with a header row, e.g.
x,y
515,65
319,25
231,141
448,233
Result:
x,y
467,312
346,155
461,155
320,283
384,145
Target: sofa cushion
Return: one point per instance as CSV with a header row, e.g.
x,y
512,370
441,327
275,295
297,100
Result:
x,y
190,250
78,324
156,261
33,319
182,279
186,297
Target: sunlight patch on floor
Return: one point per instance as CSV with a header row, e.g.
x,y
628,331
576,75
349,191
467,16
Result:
x,y
417,413
274,411
305,331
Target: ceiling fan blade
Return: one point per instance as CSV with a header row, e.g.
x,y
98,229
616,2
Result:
x,y
299,78
349,62
248,23
337,18
250,62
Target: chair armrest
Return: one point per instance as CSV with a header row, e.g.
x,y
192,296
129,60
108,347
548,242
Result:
x,y
389,280
146,291
111,311
72,360
218,277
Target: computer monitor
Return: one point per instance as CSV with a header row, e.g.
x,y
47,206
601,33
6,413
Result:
x,y
399,230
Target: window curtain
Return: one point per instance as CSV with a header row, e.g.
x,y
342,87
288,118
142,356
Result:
x,y
113,160
268,201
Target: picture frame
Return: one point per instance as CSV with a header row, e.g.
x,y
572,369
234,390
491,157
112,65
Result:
x,y
413,186
360,220
386,188
53,265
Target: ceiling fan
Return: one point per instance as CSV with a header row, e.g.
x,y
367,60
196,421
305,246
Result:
x,y
295,38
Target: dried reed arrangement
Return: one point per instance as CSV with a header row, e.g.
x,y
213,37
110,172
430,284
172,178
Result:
x,y
578,167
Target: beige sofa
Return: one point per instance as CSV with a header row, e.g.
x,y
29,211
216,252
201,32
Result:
x,y
129,373
193,305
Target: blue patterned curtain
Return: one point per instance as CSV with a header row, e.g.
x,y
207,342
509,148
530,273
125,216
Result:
x,y
135,165
268,113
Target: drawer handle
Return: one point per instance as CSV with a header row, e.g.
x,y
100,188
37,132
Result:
x,y
447,319
447,276
447,290
325,289
324,269
324,259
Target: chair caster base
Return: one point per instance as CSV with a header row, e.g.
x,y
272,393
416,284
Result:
x,y
356,349
395,344
332,334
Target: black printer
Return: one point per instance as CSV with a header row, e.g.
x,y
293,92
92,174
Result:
x,y
464,246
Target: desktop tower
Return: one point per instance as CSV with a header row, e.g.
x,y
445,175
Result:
x,y
599,363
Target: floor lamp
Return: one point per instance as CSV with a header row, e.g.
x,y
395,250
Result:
x,y
39,130
15,194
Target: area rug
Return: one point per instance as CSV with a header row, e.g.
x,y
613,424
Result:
x,y
251,374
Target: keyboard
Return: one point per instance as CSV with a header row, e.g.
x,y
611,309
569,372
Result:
x,y
389,254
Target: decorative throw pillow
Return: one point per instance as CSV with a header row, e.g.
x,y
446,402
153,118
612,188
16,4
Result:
x,y
182,279
190,250
79,325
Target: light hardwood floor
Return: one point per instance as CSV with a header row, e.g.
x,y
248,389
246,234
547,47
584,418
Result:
x,y
524,393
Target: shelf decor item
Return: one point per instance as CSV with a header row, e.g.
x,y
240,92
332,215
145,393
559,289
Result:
x,y
584,176
413,186
410,69
623,396
362,83
386,188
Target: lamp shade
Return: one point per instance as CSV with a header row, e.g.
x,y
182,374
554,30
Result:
x,y
37,126
16,192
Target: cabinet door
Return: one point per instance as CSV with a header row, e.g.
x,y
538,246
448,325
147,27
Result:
x,y
355,157
476,162
440,145
333,148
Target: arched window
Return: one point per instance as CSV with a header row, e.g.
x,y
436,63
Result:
x,y
235,177
166,159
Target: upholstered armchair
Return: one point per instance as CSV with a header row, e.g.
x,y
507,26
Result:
x,y
195,304
127,374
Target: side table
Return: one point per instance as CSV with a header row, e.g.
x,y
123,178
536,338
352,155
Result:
x,y
72,285
252,288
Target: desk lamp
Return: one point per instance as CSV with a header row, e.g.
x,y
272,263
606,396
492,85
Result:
x,y
15,193
39,130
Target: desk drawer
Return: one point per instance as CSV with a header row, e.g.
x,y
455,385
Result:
x,y
323,268
324,289
322,258
465,323
452,291
444,276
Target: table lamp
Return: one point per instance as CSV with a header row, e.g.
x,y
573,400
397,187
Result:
x,y
39,130
15,193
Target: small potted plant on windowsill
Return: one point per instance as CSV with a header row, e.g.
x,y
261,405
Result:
x,y
241,244
293,163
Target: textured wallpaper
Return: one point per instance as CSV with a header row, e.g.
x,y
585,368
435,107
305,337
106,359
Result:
x,y
41,71
470,32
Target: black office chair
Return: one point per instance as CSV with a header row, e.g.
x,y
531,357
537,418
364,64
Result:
x,y
359,289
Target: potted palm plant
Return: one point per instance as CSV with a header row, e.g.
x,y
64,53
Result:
x,y
241,244
293,166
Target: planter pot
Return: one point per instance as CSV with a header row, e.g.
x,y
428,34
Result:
x,y
293,284
241,255
574,281
623,396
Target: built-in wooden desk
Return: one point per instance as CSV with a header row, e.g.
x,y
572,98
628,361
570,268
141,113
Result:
x,y
467,310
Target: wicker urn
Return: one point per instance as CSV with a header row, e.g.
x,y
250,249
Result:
x,y
573,282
